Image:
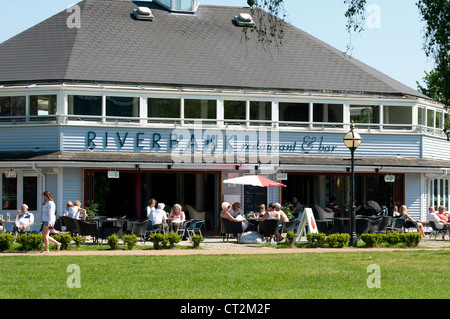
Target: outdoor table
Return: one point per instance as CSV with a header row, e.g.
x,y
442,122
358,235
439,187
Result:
x,y
255,222
170,222
109,223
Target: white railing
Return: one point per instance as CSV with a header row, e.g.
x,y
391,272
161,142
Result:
x,y
92,120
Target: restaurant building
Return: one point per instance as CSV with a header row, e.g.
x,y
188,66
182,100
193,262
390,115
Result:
x,y
116,102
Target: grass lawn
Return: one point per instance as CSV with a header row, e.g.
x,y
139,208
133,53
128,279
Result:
x,y
403,274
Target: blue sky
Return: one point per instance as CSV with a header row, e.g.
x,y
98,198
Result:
x,y
391,43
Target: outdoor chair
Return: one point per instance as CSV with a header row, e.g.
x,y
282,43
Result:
x,y
231,227
107,230
185,227
71,226
194,214
436,231
362,225
8,228
196,227
268,229
87,229
289,226
385,222
374,225
36,228
139,229
323,214
397,224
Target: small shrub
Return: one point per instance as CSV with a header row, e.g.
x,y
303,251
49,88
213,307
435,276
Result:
x,y
173,239
159,241
290,237
373,240
64,239
130,240
30,241
411,239
392,238
197,239
338,240
6,241
78,241
315,239
113,241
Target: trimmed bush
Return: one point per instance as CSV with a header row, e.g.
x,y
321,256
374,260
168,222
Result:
x,y
113,242
78,241
196,240
173,239
338,240
373,240
130,240
391,239
315,239
6,241
159,240
30,241
290,237
411,239
64,239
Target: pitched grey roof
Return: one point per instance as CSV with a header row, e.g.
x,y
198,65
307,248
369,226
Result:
x,y
205,50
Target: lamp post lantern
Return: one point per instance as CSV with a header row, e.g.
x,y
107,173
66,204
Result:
x,y
352,140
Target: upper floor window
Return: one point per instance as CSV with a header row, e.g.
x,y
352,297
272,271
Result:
x,y
295,112
122,106
365,114
234,110
43,105
85,105
261,111
328,113
12,106
164,108
200,109
397,115
421,115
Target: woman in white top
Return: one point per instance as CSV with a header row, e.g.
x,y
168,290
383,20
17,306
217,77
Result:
x,y
48,217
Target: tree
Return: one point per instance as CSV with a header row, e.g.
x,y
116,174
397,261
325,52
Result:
x,y
435,14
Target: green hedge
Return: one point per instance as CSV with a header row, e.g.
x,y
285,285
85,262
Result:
x,y
30,241
411,239
6,241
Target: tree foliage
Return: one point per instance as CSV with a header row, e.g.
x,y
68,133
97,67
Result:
x,y
435,15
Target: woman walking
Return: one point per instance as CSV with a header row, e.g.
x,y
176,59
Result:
x,y
48,217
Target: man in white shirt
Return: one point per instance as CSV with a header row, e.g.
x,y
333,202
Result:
x,y
432,217
23,219
158,217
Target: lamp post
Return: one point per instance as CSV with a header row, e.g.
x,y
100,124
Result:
x,y
352,140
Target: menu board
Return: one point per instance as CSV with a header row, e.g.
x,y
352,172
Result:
x,y
253,197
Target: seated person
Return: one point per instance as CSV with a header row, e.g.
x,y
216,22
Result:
x,y
410,222
283,218
438,221
442,214
262,211
236,209
74,211
178,216
151,207
23,220
296,206
225,213
158,218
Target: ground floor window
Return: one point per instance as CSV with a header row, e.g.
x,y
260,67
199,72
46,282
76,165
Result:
x,y
438,193
198,190
18,191
317,189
